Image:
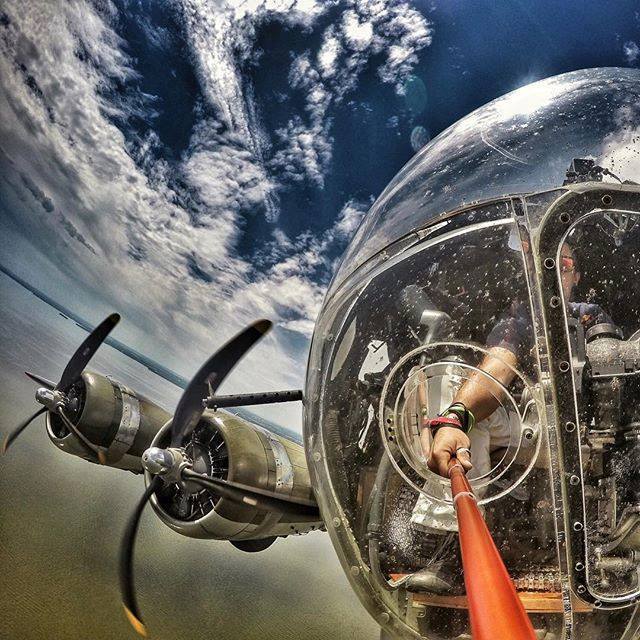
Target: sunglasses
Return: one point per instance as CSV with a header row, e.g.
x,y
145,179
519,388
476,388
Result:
x,y
567,263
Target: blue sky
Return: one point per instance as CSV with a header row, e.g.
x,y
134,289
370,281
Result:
x,y
196,165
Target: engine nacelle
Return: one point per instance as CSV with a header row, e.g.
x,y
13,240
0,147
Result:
x,y
110,415
228,447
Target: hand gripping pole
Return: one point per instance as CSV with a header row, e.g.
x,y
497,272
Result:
x,y
494,606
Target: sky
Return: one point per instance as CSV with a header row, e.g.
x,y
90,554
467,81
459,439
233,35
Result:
x,y
197,165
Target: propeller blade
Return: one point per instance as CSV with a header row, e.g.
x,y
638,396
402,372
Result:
x,y
209,378
85,351
126,561
259,498
10,437
43,381
99,451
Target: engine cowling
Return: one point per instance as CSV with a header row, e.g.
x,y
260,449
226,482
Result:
x,y
111,416
228,447
125,423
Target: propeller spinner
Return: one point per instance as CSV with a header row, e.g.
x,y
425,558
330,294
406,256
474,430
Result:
x,y
54,396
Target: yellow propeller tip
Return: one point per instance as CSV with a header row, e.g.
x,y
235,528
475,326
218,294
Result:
x,y
102,458
135,623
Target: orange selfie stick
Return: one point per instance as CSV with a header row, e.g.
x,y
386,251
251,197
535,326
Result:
x,y
494,606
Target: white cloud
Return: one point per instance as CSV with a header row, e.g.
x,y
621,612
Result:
x,y
620,152
328,54
77,162
631,51
109,213
358,34
222,36
365,29
349,218
305,153
296,284
403,34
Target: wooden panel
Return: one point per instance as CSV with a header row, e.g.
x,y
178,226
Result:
x,y
533,601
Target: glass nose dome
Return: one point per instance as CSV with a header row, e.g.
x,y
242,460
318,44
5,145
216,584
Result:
x,y
484,274
522,142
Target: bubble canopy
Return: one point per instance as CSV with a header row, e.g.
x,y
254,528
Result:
x,y
520,143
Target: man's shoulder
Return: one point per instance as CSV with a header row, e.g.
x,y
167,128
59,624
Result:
x,y
588,313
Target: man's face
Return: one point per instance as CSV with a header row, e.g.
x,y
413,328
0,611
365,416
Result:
x,y
569,273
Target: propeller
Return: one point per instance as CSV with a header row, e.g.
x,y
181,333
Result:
x,y
54,396
255,497
20,428
126,560
209,377
171,465
47,384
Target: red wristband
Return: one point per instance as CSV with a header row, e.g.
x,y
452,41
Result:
x,y
436,423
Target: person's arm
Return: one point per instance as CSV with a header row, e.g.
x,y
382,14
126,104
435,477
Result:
x,y
481,396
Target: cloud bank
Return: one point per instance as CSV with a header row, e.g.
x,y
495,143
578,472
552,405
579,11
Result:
x,y
158,239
